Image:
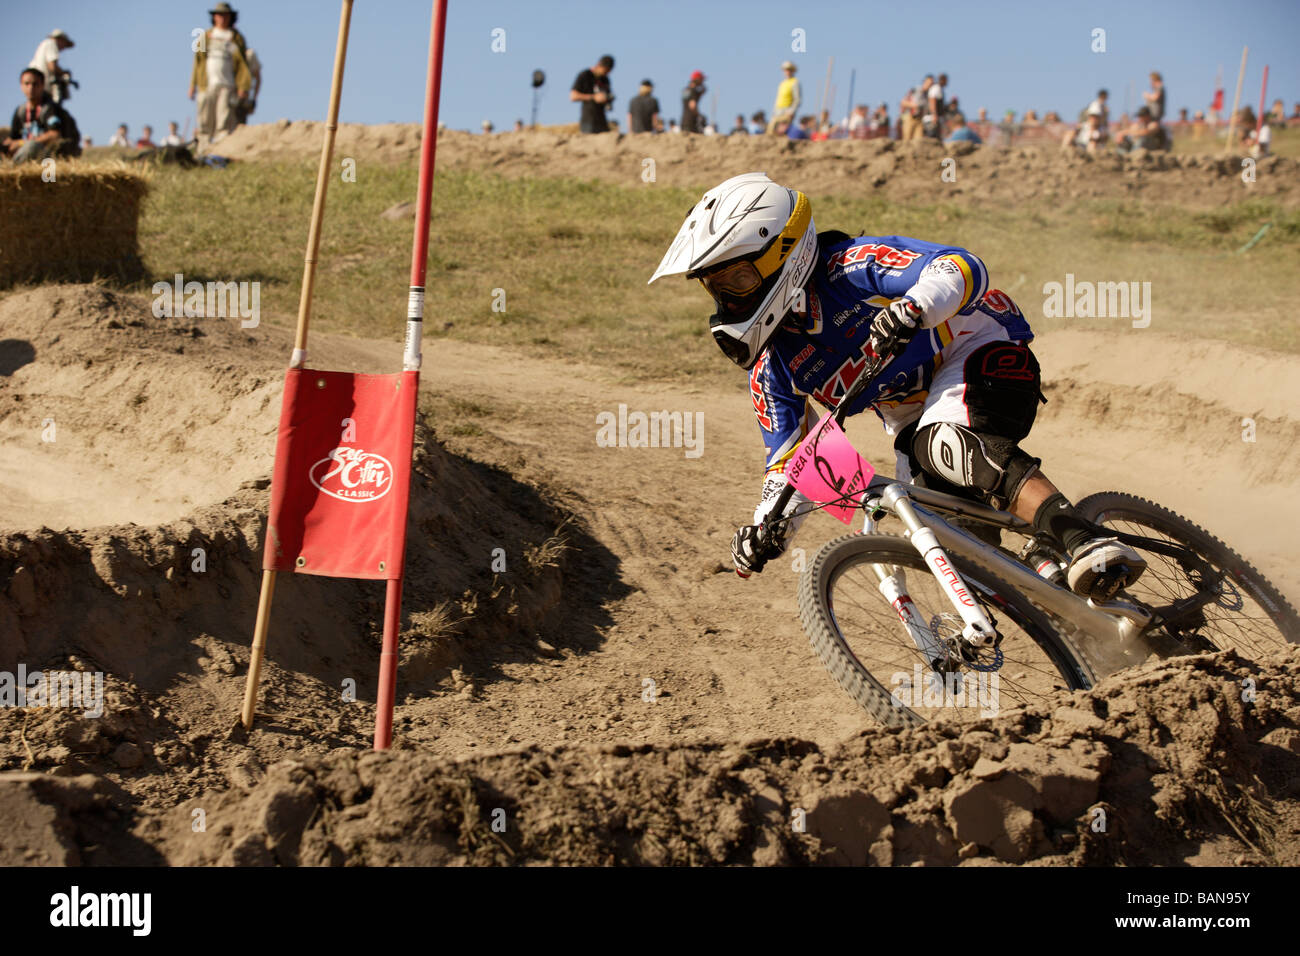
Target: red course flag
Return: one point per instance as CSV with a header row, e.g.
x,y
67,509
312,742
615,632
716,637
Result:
x,y
342,475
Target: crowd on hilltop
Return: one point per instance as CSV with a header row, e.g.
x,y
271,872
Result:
x,y
225,82
930,110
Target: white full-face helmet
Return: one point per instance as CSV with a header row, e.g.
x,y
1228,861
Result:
x,y
752,245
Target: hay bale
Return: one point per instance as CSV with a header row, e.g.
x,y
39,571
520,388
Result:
x,y
81,226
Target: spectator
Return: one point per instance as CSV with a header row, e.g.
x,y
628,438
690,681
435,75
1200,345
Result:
x,y
803,130
1100,108
1087,137
1277,113
1008,126
146,138
643,110
788,98
1295,114
821,129
759,121
591,89
487,127
880,121
961,133
934,110
1155,97
173,137
908,115
120,138
859,124
983,116
692,94
1182,116
40,127
1245,129
1198,124
1031,119
46,59
1145,133
740,128
1262,140
247,103
518,127
673,127
220,76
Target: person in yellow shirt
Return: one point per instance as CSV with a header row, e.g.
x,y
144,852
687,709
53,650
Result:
x,y
787,98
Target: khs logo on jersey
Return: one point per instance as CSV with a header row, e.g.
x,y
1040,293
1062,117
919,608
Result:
x,y
836,387
758,392
856,257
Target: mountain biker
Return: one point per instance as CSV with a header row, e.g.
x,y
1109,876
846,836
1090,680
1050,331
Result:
x,y
805,311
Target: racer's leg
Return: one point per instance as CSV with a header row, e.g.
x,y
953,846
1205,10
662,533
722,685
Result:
x,y
982,404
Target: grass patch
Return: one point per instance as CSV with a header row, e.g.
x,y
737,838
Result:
x,y
565,262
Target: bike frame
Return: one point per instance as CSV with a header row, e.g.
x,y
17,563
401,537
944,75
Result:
x,y
921,510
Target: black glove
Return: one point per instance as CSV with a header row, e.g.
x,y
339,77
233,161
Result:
x,y
894,327
753,546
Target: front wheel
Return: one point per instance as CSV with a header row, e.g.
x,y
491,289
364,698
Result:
x,y
887,633
1236,608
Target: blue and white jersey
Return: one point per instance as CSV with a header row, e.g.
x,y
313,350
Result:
x,y
853,281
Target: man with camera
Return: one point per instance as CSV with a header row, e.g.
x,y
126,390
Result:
x,y
591,89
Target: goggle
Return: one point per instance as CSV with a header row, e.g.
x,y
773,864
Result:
x,y
737,279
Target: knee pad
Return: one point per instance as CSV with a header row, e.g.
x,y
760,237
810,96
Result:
x,y
993,466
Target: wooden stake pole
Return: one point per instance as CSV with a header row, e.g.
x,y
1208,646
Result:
x,y
1236,100
299,357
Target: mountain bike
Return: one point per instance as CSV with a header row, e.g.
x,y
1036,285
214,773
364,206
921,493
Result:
x,y
946,616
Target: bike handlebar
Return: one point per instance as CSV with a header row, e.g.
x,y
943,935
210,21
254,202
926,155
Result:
x,y
840,412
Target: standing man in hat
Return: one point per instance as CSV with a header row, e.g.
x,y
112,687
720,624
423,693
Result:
x,y
691,96
46,59
787,98
221,76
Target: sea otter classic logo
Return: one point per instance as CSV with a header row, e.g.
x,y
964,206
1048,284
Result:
x,y
351,474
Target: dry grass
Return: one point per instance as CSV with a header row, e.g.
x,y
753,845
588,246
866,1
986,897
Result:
x,y
572,259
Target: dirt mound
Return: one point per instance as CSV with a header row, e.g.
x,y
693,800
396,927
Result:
x,y
903,171
110,414
165,613
1194,760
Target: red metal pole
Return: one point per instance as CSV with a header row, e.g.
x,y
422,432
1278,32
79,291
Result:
x,y
385,698
388,667
428,147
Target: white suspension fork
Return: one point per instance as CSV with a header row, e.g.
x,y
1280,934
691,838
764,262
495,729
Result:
x,y
893,587
978,629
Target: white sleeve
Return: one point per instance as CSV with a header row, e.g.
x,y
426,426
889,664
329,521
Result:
x,y
939,291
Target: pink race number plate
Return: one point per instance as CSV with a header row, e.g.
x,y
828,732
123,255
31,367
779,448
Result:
x,y
826,467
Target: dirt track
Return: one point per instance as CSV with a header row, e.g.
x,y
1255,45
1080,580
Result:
x,y
555,652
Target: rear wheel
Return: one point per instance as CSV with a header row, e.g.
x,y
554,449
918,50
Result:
x,y
859,636
1242,611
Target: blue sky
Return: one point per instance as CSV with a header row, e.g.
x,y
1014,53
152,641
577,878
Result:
x,y
132,57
